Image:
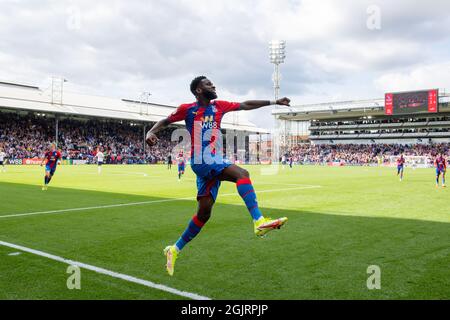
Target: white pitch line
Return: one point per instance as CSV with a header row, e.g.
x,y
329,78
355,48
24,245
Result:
x,y
140,203
92,208
288,184
117,174
107,272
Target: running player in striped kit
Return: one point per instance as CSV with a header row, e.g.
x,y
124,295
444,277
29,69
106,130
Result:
x,y
441,168
181,164
400,166
51,159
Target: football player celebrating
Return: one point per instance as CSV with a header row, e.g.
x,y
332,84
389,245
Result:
x,y
203,118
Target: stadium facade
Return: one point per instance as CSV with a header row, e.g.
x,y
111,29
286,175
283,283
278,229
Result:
x,y
361,122
56,105
53,101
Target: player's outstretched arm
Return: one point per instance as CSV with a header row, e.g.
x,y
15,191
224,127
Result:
x,y
255,104
151,137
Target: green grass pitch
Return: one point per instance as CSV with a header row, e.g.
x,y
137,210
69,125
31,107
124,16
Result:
x,y
341,220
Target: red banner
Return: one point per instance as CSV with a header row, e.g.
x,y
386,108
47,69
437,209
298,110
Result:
x,y
389,103
432,100
31,161
336,164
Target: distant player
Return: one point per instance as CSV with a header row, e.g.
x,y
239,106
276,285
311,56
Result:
x,y
441,168
414,164
169,162
100,158
203,118
2,160
291,159
400,166
181,164
51,159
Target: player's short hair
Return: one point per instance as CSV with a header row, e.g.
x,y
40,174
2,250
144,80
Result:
x,y
195,83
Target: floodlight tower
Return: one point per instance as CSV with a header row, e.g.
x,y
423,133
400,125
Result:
x,y
277,53
145,97
57,89
57,98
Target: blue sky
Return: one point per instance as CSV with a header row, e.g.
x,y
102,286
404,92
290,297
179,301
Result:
x,y
121,48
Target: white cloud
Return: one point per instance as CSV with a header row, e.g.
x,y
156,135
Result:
x,y
121,48
422,77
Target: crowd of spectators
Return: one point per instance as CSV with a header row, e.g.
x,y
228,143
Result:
x,y
28,136
362,154
320,123
24,137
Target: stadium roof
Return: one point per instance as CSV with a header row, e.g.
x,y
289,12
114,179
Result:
x,y
31,98
343,109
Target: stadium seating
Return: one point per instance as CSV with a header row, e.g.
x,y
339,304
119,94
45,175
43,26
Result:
x,y
361,154
27,136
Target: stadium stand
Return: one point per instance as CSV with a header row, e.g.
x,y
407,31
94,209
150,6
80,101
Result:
x,y
362,154
361,132
31,118
363,122
27,136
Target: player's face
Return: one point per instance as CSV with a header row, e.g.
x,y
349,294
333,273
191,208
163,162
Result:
x,y
207,89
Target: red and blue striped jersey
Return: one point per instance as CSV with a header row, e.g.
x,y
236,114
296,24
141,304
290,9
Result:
x,y
180,159
440,163
52,158
203,123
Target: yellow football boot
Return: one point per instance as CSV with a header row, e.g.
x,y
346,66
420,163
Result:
x,y
264,225
171,254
